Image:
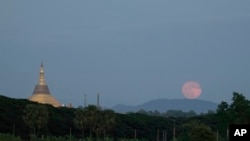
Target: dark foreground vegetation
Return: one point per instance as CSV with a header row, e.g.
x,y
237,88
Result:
x,y
23,120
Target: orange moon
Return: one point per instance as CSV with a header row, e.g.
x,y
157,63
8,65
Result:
x,y
191,90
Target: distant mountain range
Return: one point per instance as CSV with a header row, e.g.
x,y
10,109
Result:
x,y
163,105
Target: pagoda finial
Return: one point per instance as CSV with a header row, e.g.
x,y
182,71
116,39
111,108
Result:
x,y
41,76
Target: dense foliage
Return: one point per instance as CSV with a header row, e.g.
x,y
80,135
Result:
x,y
22,119
170,113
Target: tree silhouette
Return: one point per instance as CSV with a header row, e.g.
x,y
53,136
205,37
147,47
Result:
x,y
202,132
240,109
108,121
195,131
36,116
81,120
93,118
238,112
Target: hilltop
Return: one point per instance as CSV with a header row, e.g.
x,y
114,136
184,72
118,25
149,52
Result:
x,y
163,105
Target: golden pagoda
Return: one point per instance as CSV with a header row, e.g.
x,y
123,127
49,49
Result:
x,y
41,92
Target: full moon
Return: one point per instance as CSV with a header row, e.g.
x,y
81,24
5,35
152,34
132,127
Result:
x,y
191,90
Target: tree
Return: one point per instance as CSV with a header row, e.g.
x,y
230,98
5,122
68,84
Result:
x,y
196,131
224,118
236,113
93,118
141,111
108,120
36,116
240,109
202,132
80,120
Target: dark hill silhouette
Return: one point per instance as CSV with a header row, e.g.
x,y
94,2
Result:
x,y
163,105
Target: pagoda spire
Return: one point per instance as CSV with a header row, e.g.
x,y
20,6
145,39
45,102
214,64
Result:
x,y
41,76
41,86
41,93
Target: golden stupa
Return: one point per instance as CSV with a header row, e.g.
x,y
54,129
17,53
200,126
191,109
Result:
x,y
41,92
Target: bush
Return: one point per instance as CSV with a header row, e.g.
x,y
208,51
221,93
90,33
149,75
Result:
x,y
53,138
9,137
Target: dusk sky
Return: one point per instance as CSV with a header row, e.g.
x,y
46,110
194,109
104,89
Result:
x,y
129,51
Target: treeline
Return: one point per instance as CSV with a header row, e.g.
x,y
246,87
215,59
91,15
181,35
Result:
x,y
171,113
21,119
